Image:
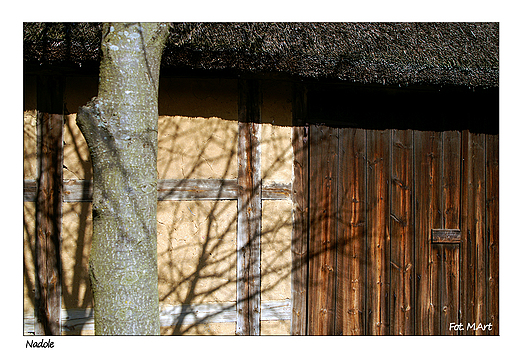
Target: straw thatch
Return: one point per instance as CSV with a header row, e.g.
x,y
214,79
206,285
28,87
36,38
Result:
x,y
389,53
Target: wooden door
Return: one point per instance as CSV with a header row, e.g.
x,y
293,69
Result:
x,y
403,232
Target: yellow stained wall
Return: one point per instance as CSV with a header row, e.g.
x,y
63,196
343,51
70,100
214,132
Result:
x,y
28,256
196,240
277,166
196,251
75,250
197,147
29,145
201,329
29,208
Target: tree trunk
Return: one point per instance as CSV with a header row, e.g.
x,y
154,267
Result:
x,y
120,127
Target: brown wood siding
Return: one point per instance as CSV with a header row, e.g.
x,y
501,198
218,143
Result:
x,y
492,152
378,232
427,217
450,289
300,196
323,229
351,263
402,305
473,238
409,219
451,179
450,254
396,231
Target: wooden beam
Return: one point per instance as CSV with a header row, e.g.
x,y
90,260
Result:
x,y
74,320
77,190
49,206
30,187
197,189
299,275
249,222
277,191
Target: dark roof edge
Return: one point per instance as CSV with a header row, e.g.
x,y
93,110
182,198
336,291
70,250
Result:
x,y
464,54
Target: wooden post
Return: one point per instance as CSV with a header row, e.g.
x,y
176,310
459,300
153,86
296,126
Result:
x,y
492,207
299,275
48,206
249,222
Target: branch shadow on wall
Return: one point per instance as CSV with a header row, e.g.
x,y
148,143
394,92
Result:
x,y
196,238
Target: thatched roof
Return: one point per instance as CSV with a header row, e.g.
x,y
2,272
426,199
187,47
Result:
x,y
389,53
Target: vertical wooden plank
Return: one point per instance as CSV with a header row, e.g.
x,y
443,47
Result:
x,y
322,236
451,220
445,282
249,203
467,255
300,231
451,179
350,295
437,285
473,291
479,189
428,215
49,207
402,234
492,217
378,234
450,288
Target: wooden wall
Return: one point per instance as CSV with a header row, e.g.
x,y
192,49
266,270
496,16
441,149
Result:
x,y
394,230
402,232
224,205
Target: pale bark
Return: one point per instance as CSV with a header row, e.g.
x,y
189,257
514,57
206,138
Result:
x,y
120,127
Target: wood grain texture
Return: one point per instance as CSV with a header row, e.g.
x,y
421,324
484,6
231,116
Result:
x,y
451,179
492,230
77,190
450,288
249,222
450,236
446,236
300,196
323,229
474,284
430,231
378,232
49,199
476,224
402,235
428,207
350,295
